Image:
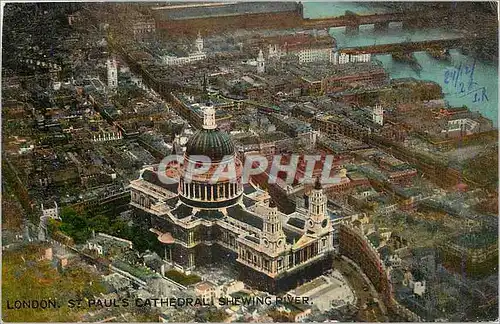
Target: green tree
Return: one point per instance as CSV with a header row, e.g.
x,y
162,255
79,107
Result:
x,y
75,225
26,278
99,223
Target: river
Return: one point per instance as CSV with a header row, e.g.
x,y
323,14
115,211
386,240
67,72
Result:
x,y
477,89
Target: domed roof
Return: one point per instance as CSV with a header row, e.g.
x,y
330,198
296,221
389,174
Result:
x,y
210,142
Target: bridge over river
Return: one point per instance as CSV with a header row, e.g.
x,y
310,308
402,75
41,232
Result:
x,y
406,47
381,21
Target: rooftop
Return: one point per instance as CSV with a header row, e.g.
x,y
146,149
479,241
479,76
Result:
x,y
317,71
291,236
297,222
302,40
242,215
182,211
152,177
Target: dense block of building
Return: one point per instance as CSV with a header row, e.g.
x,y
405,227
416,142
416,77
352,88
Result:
x,y
326,79
307,47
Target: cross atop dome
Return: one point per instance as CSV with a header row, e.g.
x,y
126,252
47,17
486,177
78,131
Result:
x,y
317,184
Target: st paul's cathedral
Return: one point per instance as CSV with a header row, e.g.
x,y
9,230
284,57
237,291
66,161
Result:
x,y
201,221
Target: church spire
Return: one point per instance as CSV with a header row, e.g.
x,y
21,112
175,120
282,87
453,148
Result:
x,y
273,238
318,220
199,43
261,64
261,56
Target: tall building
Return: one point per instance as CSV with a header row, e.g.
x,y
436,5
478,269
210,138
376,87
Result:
x,y
344,58
274,51
144,29
112,68
378,115
307,48
261,63
199,43
181,57
228,221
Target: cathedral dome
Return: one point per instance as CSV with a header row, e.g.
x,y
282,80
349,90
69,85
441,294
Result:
x,y
196,190
210,142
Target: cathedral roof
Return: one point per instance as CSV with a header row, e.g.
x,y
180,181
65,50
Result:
x,y
297,222
291,236
248,188
213,143
242,215
209,214
304,240
152,177
248,201
172,201
182,211
252,239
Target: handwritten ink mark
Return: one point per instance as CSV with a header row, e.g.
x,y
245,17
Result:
x,y
483,97
458,76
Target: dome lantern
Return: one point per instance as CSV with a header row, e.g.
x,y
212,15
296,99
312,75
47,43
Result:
x,y
209,117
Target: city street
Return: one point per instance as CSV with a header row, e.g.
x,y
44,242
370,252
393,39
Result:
x,y
372,313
